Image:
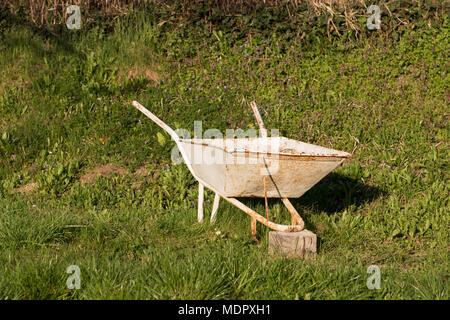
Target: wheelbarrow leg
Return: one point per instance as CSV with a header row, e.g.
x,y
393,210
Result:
x,y
201,194
253,223
215,207
296,219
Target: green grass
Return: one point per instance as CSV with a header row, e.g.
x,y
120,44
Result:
x,y
65,108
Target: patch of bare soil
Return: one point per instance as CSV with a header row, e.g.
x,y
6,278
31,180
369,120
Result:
x,y
136,185
143,172
28,188
103,171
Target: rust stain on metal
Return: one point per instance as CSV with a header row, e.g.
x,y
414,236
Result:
x,y
296,219
247,152
265,198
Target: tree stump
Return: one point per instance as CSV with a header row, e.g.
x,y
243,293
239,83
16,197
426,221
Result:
x,y
301,244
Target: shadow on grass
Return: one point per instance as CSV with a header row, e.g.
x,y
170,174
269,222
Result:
x,y
61,36
335,193
332,194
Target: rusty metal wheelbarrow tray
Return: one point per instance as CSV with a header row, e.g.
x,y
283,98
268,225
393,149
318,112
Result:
x,y
269,167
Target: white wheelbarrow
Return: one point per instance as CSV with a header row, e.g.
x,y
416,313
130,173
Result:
x,y
265,167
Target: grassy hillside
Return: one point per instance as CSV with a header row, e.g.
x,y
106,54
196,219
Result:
x,y
85,179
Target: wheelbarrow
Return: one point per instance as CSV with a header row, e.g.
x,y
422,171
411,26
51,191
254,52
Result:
x,y
264,167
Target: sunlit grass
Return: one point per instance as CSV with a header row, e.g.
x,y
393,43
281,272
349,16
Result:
x,y
134,233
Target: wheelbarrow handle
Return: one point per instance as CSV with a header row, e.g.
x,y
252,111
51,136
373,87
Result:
x,y
171,132
158,121
262,128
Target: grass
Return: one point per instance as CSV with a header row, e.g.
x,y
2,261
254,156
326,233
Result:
x,y
65,109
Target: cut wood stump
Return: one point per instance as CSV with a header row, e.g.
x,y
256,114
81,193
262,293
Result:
x,y
301,244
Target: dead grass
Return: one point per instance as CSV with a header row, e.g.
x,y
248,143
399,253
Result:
x,y
53,12
145,72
